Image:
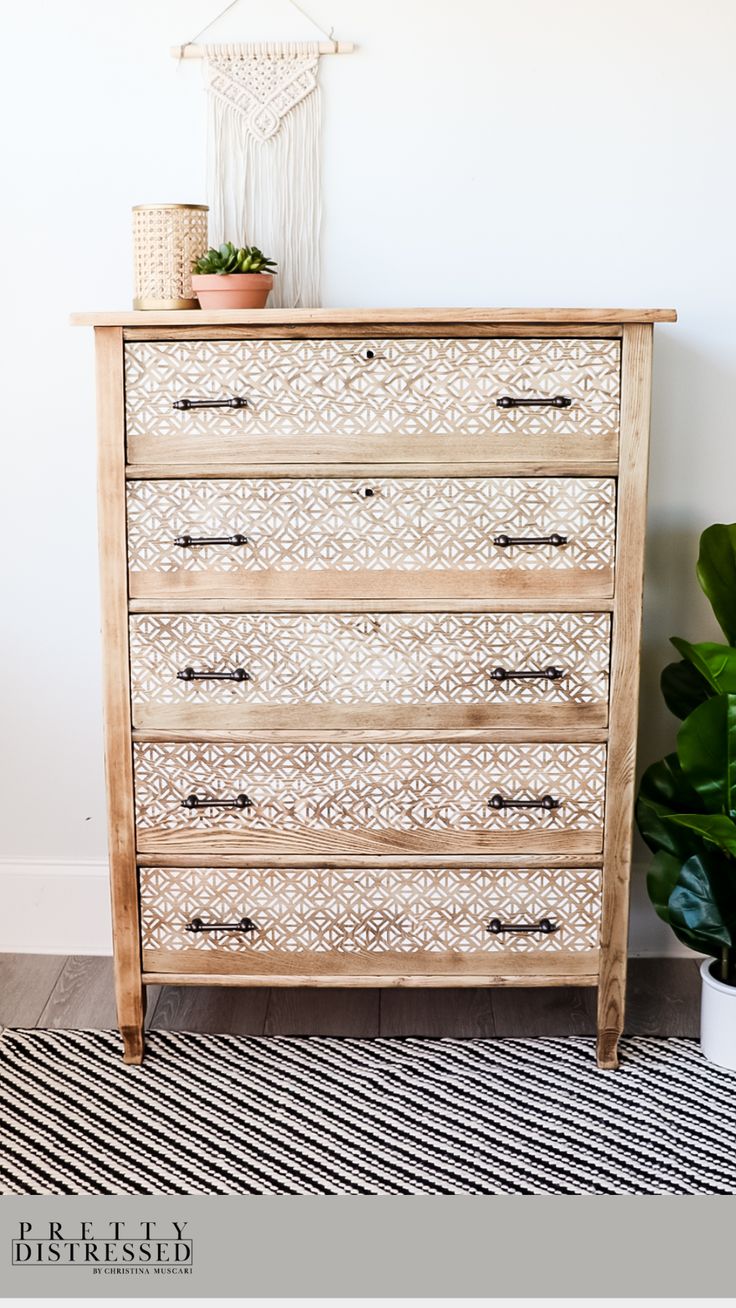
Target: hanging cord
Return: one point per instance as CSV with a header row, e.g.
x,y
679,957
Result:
x,y
233,3
313,21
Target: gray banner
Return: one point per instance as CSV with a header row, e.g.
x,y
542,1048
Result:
x,y
460,1247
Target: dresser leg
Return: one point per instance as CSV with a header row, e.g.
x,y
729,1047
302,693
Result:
x,y
132,1016
132,1044
607,1048
611,1003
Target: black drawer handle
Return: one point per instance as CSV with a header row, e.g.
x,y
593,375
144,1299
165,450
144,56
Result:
x,y
505,541
189,542
231,402
549,402
194,802
545,927
524,674
245,924
191,674
547,802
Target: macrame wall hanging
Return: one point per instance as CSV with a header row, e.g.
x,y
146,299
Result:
x,y
263,154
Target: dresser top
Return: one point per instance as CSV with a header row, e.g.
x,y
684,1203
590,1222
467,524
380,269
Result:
x,y
304,317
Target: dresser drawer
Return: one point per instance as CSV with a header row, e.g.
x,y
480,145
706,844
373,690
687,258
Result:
x,y
306,401
385,537
380,670
345,798
368,920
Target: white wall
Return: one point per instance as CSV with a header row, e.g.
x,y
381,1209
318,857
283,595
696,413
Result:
x,y
506,152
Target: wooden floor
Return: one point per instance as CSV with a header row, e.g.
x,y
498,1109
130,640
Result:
x,y
50,991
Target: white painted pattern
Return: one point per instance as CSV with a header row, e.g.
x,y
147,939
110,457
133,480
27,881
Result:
x,y
407,524
336,787
308,388
369,910
369,658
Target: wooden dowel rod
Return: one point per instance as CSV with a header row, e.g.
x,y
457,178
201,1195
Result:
x,y
199,51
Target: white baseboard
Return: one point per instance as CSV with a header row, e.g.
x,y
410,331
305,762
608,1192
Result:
x,y
54,907
64,908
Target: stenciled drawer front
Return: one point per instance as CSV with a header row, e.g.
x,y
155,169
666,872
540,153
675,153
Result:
x,y
388,537
299,401
380,670
342,798
369,920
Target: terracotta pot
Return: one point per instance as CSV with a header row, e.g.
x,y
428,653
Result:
x,y
232,290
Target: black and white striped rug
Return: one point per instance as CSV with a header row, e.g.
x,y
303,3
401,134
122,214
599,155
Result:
x,y
218,1114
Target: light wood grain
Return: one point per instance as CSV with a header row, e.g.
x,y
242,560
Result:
x,y
575,589
442,331
522,453
404,317
448,721
432,980
324,844
404,400
359,920
421,732
625,655
118,745
560,466
555,586
365,860
383,673
446,964
511,604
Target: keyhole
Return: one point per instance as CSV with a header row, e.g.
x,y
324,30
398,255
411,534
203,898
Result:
x,y
368,492
370,354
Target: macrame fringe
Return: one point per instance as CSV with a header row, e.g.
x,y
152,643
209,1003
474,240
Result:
x,y
264,160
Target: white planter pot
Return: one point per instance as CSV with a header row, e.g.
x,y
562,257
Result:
x,y
717,1019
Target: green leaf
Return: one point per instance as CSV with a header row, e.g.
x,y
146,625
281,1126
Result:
x,y
706,748
702,904
683,688
661,880
716,827
664,790
716,571
716,663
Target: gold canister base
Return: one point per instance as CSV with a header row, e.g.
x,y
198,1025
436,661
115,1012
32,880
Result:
x,y
165,304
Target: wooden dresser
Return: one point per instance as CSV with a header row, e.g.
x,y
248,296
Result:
x,y
371,600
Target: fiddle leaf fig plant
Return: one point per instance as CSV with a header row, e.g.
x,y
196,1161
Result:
x,y
686,807
228,258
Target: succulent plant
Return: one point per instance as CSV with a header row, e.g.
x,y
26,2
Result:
x,y
229,259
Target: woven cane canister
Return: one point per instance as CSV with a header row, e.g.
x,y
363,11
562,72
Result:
x,y
167,238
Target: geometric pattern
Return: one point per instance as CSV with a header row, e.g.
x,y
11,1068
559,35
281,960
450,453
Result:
x,y
369,910
355,388
370,658
406,524
289,1115
353,787
260,90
